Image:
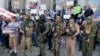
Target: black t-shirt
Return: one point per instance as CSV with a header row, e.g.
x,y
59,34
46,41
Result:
x,y
88,12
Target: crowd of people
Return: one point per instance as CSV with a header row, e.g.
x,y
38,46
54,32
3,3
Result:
x,y
50,28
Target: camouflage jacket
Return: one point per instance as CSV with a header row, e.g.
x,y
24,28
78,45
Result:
x,y
58,29
88,33
26,28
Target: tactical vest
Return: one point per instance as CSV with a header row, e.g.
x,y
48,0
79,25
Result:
x,y
77,10
72,30
25,25
41,27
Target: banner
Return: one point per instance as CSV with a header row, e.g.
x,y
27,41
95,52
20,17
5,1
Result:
x,y
33,11
6,13
33,5
16,4
66,16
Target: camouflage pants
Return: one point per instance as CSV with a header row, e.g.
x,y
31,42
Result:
x,y
26,45
87,49
41,45
42,49
56,47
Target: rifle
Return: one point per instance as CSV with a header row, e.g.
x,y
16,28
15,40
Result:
x,y
71,32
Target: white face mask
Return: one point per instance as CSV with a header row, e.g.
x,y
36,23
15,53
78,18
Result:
x,y
32,18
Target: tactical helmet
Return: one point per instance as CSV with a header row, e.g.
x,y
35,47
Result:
x,y
89,20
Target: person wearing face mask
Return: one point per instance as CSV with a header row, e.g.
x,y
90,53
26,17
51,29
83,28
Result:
x,y
26,28
42,29
71,31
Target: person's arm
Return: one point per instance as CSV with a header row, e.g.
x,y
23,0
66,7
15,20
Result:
x,y
60,30
77,29
21,28
31,27
85,13
3,24
47,29
93,32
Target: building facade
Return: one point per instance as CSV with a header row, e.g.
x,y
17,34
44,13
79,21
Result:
x,y
3,3
49,3
18,4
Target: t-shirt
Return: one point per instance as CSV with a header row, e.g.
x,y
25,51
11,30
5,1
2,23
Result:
x,y
13,27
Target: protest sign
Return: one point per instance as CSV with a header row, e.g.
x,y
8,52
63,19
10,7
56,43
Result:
x,y
70,3
66,16
16,4
41,12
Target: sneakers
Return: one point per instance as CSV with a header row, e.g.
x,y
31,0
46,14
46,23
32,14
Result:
x,y
7,50
13,54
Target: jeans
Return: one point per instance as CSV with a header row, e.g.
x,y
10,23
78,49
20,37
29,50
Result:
x,y
50,40
6,36
34,38
19,38
2,39
80,41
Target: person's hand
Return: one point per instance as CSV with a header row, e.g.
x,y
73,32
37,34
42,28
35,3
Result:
x,y
21,31
55,34
27,28
88,40
81,31
67,30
